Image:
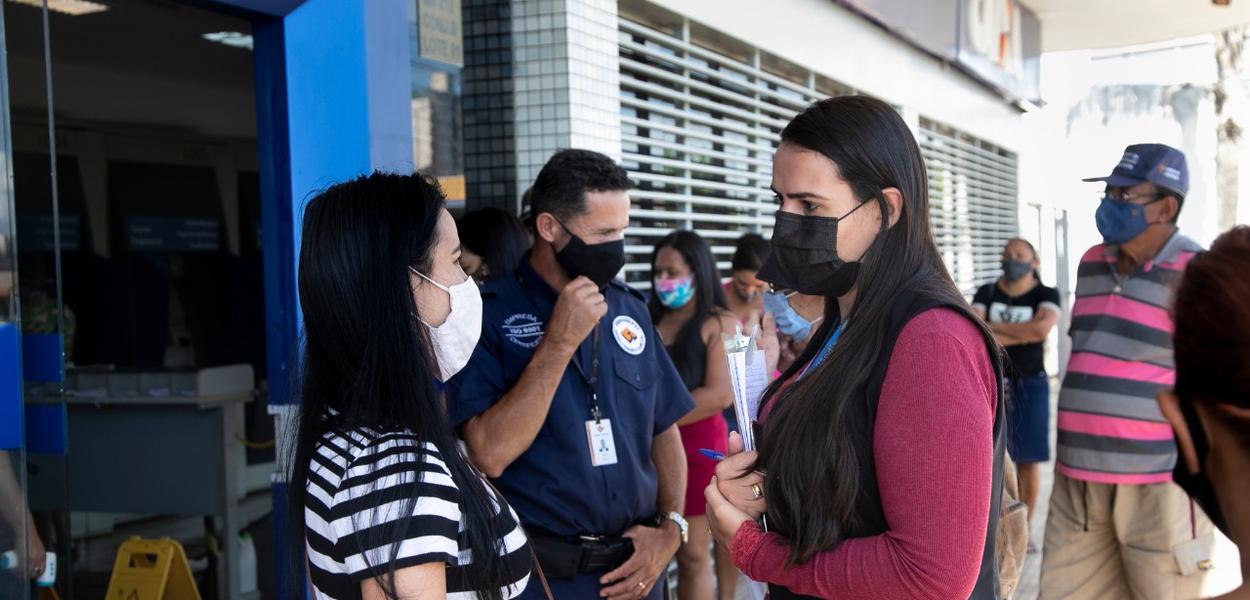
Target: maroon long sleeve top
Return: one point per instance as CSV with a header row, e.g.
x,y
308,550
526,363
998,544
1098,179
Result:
x,y
933,449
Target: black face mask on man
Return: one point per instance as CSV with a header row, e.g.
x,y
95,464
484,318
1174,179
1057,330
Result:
x,y
1198,485
805,255
597,262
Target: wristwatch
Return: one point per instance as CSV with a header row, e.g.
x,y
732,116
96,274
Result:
x,y
682,525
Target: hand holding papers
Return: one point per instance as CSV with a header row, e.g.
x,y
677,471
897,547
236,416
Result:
x,y
748,371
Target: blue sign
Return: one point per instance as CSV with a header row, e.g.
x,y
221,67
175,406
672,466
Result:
x,y
41,357
46,428
10,388
173,234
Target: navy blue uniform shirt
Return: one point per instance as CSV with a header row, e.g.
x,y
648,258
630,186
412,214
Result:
x,y
552,485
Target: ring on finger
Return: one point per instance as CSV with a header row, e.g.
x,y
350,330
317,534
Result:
x,y
757,490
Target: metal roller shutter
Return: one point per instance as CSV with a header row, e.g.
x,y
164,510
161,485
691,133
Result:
x,y
973,205
699,128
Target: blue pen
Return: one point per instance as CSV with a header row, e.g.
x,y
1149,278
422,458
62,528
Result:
x,y
712,454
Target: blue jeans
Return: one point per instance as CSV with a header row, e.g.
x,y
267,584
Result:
x,y
1028,418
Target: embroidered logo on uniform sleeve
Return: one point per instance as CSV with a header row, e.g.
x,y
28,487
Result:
x,y
629,335
523,329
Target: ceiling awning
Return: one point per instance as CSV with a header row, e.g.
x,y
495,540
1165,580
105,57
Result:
x,y
1082,24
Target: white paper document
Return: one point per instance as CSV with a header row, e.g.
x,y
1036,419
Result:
x,y
749,376
748,373
754,589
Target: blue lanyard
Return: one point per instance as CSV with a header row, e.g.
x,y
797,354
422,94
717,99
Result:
x,y
824,351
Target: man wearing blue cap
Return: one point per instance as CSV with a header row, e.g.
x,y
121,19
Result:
x,y
1118,527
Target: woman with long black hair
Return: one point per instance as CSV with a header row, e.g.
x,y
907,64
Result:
x,y
689,309
382,498
880,451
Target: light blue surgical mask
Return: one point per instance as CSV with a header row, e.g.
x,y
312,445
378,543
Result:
x,y
789,321
675,293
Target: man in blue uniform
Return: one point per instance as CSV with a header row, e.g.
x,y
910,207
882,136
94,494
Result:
x,y
570,401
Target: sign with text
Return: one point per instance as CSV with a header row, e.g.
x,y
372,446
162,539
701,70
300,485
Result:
x,y
1001,42
998,42
440,33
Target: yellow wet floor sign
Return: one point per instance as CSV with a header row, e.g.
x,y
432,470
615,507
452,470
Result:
x,y
151,570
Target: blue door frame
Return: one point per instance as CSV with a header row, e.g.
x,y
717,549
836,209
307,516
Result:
x,y
333,99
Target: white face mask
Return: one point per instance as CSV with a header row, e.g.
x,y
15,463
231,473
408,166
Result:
x,y
456,338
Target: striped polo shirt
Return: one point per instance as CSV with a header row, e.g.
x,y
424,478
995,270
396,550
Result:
x,y
1110,427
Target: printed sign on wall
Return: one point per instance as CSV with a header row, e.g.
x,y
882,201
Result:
x,y
440,32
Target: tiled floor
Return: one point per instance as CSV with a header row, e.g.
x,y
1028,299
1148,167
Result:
x,y
1033,563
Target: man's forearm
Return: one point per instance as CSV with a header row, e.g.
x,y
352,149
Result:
x,y
670,469
505,431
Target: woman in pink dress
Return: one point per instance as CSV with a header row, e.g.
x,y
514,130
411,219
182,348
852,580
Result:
x,y
689,310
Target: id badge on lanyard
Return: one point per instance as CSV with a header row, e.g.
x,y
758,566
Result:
x,y
602,446
599,440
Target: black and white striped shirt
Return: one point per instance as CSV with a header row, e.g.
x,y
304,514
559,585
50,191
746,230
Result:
x,y
347,503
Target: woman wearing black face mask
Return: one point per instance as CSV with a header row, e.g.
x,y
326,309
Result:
x,y
1021,312
1210,409
882,444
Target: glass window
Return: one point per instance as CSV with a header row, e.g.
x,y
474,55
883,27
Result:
x,y
437,129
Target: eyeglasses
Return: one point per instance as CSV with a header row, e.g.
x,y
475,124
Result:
x,y
1132,198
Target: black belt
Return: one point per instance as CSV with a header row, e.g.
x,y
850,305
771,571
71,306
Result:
x,y
563,558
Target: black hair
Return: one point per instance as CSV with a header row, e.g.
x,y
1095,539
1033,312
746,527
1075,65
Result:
x,y
527,211
750,253
811,448
1212,331
497,236
561,185
709,297
525,200
368,363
